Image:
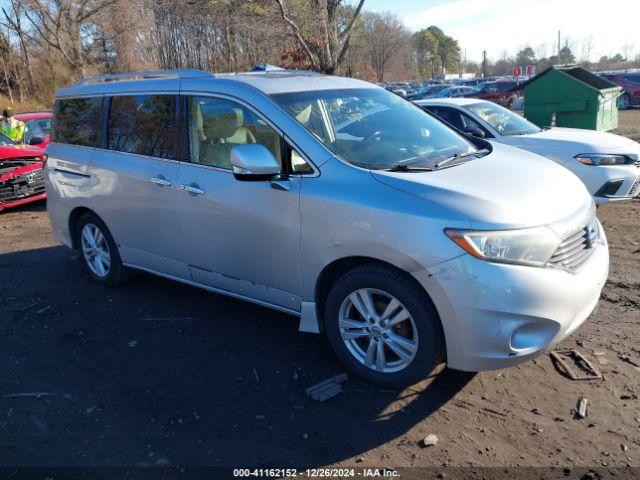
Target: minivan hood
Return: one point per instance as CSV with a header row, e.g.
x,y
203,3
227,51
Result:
x,y
508,188
580,141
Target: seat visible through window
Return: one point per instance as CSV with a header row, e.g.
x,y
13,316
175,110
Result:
x,y
217,125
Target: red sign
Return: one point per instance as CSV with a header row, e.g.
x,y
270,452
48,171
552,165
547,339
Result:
x,y
531,70
517,71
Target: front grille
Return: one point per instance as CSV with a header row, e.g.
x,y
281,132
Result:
x,y
22,186
635,188
577,247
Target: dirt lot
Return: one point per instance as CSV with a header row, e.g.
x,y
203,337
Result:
x,y
155,373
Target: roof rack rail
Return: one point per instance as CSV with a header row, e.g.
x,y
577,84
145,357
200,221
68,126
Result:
x,y
145,75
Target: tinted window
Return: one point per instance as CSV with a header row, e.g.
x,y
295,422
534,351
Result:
x,y
217,125
452,117
78,121
144,124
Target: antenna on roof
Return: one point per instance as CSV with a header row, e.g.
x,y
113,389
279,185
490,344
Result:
x,y
145,75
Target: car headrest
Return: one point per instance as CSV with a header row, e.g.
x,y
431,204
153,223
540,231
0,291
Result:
x,y
221,121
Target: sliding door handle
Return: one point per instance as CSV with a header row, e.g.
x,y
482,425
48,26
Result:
x,y
160,181
192,189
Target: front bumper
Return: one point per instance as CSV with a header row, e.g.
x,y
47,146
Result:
x,y
22,201
598,178
498,315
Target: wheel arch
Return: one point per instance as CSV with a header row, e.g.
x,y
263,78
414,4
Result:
x,y
74,216
338,267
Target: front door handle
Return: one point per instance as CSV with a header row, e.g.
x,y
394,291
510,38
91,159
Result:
x,y
192,189
161,181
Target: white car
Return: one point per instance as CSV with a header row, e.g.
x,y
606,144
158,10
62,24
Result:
x,y
608,164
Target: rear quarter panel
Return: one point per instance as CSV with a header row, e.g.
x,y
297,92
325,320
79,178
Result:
x,y
68,182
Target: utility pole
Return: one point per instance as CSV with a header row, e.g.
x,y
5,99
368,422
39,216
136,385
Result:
x,y
558,61
484,64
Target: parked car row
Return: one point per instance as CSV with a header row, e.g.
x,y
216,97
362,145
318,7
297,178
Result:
x,y
504,92
409,238
630,82
21,164
608,165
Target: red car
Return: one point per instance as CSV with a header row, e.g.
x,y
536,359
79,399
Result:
x,y
37,129
501,92
21,174
630,82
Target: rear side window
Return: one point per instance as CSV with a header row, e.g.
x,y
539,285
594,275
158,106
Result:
x,y
78,121
144,124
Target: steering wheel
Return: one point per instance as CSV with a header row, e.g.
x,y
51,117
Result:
x,y
372,135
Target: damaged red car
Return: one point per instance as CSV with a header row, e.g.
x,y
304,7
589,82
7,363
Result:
x,y
21,174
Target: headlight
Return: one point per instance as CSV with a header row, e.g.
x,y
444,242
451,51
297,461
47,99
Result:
x,y
529,246
601,159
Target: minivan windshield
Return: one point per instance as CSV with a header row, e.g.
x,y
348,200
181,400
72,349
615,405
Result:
x,y
373,128
503,120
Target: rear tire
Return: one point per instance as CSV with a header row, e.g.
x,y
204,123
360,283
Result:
x,y
623,101
99,252
411,348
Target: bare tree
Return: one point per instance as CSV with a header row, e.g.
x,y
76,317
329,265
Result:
x,y
587,49
627,51
325,46
63,26
386,36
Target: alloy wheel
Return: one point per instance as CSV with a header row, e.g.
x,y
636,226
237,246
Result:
x,y
95,250
378,330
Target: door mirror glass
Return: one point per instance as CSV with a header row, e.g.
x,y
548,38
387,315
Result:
x,y
474,131
253,161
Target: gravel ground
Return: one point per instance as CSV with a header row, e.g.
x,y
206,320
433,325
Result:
x,y
154,373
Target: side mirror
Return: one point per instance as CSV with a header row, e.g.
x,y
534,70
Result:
x,y
474,131
35,140
253,162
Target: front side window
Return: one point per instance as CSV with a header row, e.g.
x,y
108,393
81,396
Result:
x,y
503,120
505,87
144,125
489,88
217,125
44,124
78,121
373,128
33,130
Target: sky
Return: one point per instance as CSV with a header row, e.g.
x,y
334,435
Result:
x,y
508,25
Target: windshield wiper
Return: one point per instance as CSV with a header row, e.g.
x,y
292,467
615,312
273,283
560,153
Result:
x,y
408,168
460,156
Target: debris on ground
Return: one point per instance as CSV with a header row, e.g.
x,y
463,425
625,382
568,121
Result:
x,y
255,373
327,389
629,360
430,440
587,371
133,343
581,409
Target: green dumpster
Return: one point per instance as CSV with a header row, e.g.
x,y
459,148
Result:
x,y
575,97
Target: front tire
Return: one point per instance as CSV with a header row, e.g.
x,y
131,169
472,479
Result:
x,y
99,252
383,327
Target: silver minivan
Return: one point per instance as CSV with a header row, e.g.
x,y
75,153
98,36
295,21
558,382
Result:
x,y
335,201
